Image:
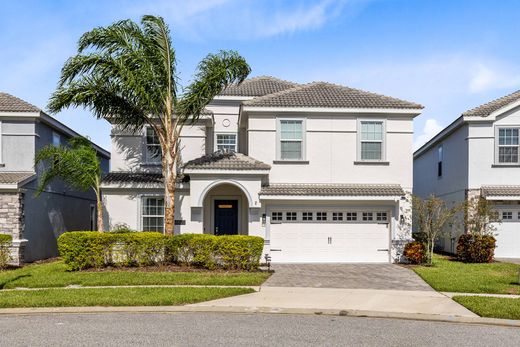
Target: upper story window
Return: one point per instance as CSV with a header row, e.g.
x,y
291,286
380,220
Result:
x,y
508,145
226,142
372,140
56,139
292,139
153,146
440,155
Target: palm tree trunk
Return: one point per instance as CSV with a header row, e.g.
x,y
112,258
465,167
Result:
x,y
99,215
170,178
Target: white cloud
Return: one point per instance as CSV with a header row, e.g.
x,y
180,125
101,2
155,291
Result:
x,y
493,76
235,19
431,128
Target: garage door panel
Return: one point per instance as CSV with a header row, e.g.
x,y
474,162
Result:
x,y
329,242
508,240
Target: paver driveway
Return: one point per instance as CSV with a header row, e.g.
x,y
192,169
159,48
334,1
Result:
x,y
351,276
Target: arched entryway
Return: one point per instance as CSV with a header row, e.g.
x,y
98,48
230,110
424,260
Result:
x,y
226,210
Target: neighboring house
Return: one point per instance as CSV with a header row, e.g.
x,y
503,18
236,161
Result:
x,y
25,129
322,172
477,155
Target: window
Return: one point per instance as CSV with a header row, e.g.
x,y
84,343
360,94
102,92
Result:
x,y
291,139
290,216
226,142
507,215
337,216
368,216
371,140
56,139
321,215
508,145
439,161
153,214
307,215
153,147
276,216
351,216
93,217
381,216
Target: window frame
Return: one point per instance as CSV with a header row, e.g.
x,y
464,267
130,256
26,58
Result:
x,y
279,139
382,141
56,139
498,145
440,160
141,212
225,133
147,159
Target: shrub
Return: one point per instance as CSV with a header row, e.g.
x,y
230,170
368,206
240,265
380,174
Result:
x,y
475,248
122,228
5,254
415,252
85,249
239,252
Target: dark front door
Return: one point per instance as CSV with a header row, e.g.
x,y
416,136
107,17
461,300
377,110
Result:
x,y
226,217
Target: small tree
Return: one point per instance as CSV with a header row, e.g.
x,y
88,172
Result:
x,y
480,216
431,217
77,165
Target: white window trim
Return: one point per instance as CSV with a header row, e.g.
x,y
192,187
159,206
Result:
x,y
279,139
383,141
225,133
497,145
147,160
140,209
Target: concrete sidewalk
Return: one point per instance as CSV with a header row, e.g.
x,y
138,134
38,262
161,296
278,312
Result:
x,y
397,301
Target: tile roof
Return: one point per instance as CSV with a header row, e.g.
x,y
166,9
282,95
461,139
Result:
x,y
9,103
333,189
133,177
323,94
501,190
14,177
226,161
258,86
486,109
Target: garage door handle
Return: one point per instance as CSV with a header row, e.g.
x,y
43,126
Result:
x,y
276,250
383,250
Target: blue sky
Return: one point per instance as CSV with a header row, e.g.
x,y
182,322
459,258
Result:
x,y
447,55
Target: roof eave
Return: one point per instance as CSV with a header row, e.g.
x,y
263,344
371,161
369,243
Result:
x,y
409,111
392,198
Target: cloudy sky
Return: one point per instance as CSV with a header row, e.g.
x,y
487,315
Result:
x,y
449,55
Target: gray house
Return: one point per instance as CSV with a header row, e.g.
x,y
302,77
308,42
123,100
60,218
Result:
x,y
477,156
36,222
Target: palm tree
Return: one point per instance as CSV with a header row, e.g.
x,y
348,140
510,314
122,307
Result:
x,y
77,165
127,73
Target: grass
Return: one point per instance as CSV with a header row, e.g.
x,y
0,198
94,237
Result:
x,y
491,307
114,296
452,276
54,274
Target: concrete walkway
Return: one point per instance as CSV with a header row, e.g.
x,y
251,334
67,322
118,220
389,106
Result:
x,y
399,301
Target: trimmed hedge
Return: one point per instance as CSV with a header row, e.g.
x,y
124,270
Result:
x,y
82,250
415,252
474,248
5,254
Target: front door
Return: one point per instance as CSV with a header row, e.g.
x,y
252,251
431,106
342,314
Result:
x,y
226,217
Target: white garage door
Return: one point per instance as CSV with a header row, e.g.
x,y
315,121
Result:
x,y
329,236
508,233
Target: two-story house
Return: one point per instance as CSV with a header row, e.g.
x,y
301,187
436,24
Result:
x,y
477,155
322,172
36,222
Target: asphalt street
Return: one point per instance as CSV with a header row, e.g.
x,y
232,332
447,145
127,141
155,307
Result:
x,y
212,329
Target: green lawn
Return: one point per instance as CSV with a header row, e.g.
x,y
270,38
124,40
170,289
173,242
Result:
x,y
491,307
452,276
114,296
54,274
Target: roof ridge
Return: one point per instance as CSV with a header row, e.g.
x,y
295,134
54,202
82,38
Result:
x,y
491,103
281,92
21,101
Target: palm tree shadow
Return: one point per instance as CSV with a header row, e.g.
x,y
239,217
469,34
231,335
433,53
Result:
x,y
10,280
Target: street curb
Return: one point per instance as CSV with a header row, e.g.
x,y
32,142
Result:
x,y
261,310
